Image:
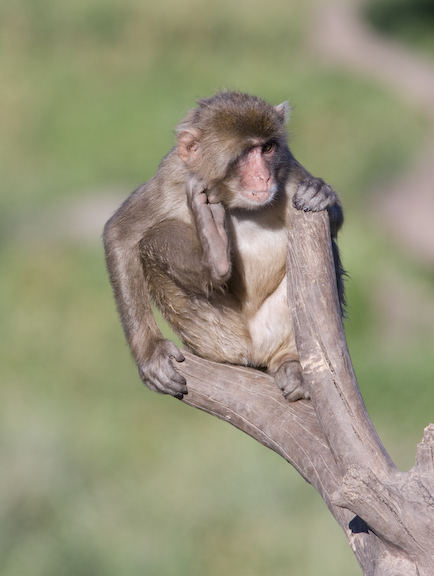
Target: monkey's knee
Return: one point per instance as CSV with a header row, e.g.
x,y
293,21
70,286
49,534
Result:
x,y
289,378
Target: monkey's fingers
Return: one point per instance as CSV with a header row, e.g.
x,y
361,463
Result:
x,y
313,195
214,240
166,381
222,248
159,373
197,203
218,213
212,197
174,351
194,187
174,384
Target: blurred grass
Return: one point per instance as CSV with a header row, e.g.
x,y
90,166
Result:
x,y
99,475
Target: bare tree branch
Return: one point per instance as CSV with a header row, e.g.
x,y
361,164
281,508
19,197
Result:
x,y
387,515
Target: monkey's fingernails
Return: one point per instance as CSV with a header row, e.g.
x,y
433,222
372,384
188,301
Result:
x,y
179,357
180,389
174,351
202,198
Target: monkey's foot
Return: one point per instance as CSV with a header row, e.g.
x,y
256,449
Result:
x,y
289,378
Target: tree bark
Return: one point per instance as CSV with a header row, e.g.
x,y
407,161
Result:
x,y
387,515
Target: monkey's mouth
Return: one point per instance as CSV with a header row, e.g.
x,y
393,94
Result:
x,y
259,197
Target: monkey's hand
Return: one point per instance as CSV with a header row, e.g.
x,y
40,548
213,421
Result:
x,y
159,373
313,195
209,217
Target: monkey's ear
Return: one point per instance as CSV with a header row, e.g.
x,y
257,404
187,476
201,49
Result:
x,y
189,146
283,110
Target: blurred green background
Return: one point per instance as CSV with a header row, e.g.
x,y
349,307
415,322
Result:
x,y
410,21
99,476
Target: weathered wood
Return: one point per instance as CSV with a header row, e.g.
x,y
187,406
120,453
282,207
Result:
x,y
330,439
323,350
251,401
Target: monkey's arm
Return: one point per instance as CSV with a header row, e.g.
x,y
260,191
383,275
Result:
x,y
195,256
209,217
313,194
152,353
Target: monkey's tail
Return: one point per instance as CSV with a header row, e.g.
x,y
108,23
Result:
x,y
340,276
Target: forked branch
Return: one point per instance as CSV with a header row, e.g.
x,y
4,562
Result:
x,y
387,515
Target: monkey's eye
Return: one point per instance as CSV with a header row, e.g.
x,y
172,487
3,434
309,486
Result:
x,y
267,148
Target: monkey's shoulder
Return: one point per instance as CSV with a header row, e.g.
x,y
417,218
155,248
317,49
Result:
x,y
163,196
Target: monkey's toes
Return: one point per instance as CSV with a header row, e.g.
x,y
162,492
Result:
x,y
292,394
289,378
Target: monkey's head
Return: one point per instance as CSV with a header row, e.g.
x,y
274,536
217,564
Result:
x,y
237,145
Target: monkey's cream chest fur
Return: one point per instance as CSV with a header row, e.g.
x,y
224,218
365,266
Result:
x,y
260,254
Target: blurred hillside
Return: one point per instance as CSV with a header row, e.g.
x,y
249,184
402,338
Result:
x,y
99,476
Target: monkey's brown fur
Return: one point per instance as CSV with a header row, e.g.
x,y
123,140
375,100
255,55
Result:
x,y
207,239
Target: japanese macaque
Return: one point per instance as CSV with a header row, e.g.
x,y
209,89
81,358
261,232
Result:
x,y
206,240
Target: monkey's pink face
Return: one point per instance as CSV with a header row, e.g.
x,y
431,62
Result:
x,y
256,175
